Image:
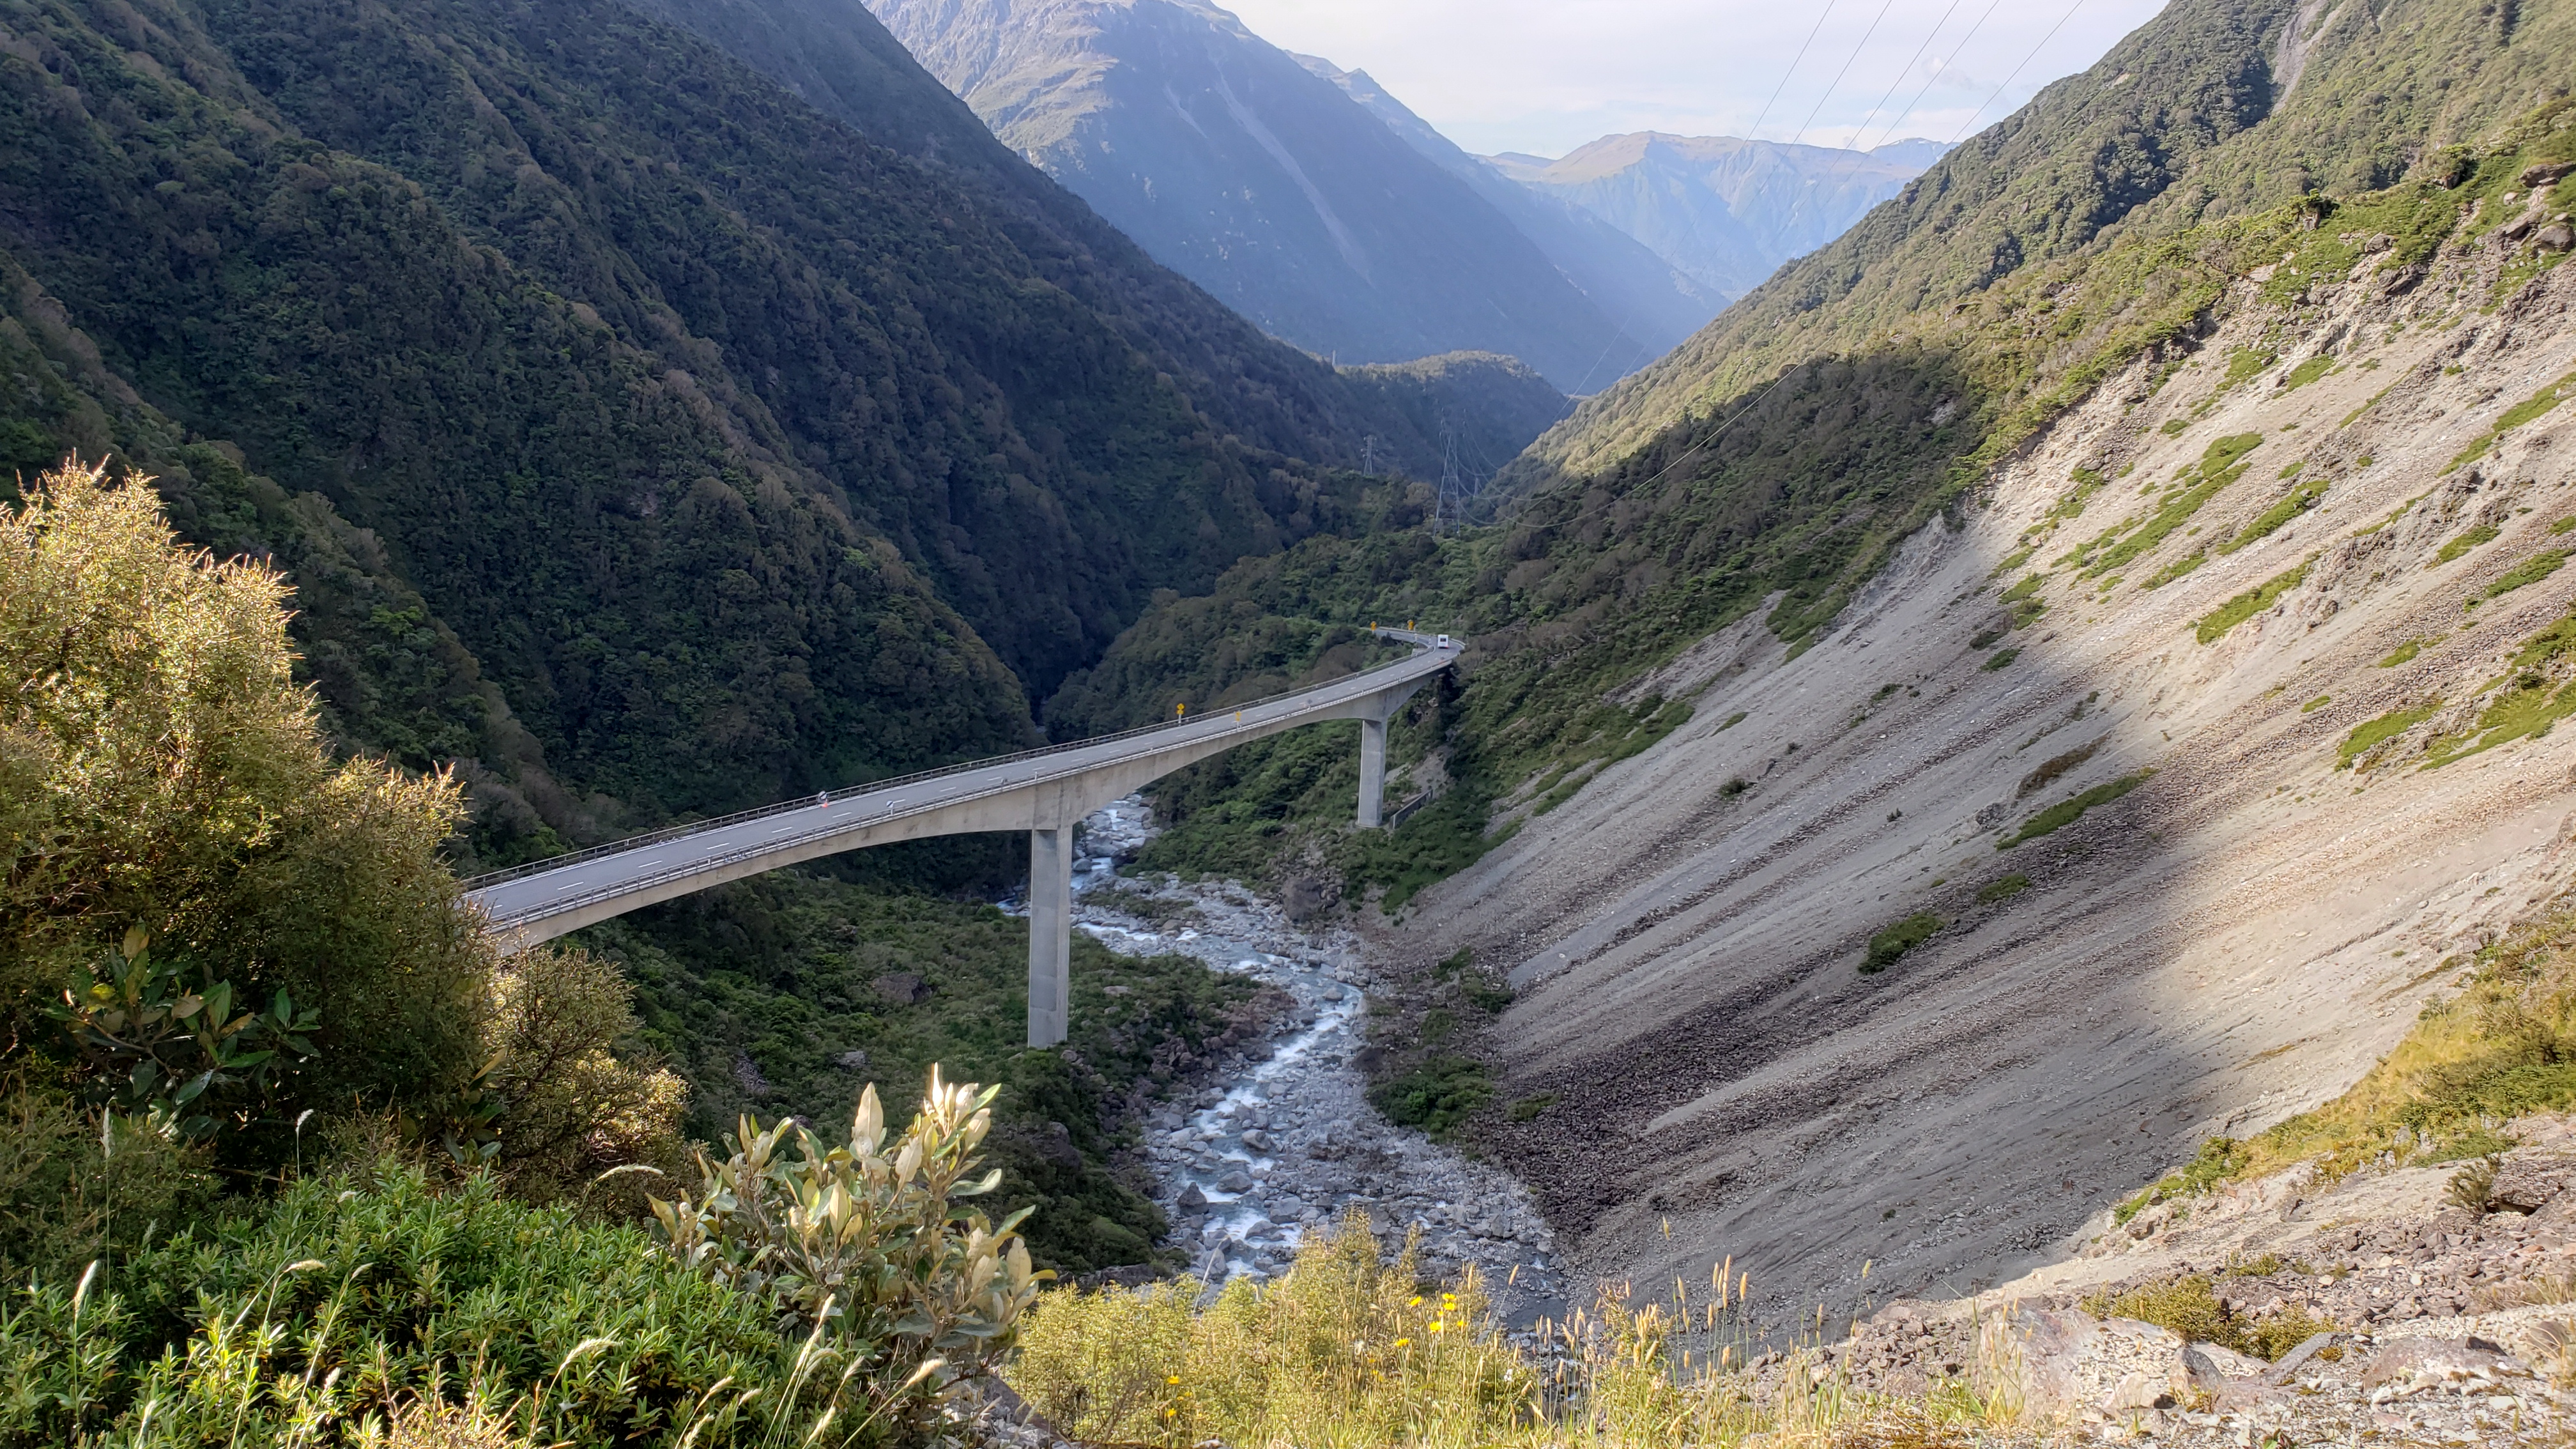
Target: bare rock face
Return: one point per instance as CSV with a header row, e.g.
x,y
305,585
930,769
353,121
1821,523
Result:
x,y
902,988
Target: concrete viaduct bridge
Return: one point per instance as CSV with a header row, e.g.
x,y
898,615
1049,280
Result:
x,y
1044,792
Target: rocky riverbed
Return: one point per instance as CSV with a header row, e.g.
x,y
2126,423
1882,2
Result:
x,y
1285,1141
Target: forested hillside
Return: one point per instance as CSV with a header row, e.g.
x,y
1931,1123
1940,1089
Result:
x,y
642,438
738,454
1775,462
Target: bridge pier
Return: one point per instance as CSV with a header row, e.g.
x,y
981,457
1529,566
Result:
x,y
1050,934
1372,772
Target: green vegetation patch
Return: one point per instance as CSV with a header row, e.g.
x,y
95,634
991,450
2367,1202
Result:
x,y
2370,734
2176,569
1896,940
2528,706
2404,653
2307,372
2221,464
2293,503
585,1332
2002,888
2462,542
2318,703
2213,626
2001,658
2066,812
2529,409
2244,365
1530,1108
2191,1307
1436,1096
784,994
2526,573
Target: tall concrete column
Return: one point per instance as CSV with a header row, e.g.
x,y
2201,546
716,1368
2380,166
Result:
x,y
1050,935
1372,773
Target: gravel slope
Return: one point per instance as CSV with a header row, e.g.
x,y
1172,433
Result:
x,y
2237,939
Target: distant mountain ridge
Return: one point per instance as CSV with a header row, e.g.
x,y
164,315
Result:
x,y
1231,163
1725,212
1645,293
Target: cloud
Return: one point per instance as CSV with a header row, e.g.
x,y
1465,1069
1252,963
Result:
x,y
1545,76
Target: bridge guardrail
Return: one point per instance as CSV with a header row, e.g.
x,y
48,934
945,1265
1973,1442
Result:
x,y
847,792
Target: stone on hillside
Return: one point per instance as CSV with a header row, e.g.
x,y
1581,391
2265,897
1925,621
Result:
x,y
2440,1365
902,988
1192,1197
1236,1181
1256,1139
855,1059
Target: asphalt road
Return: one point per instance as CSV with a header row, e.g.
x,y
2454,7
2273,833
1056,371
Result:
x,y
532,892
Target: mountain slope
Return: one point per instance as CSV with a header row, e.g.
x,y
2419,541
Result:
x,y
1640,290
731,448
1907,751
1266,185
1724,211
838,58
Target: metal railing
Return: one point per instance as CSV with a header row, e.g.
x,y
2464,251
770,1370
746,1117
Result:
x,y
849,792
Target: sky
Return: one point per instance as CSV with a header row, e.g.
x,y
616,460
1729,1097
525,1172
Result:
x,y
1545,76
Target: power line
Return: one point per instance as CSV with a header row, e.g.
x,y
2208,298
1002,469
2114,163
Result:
x,y
1930,79
1838,75
1901,73
1755,134
2017,70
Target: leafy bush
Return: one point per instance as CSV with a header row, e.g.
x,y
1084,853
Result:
x,y
351,1296
864,1243
159,768
825,1296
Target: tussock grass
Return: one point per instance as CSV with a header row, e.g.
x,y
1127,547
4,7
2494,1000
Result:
x,y
2190,1306
1350,1348
2503,1047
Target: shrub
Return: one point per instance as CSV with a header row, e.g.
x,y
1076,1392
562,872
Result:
x,y
1896,940
568,1107
1435,1096
358,1295
865,1242
2003,888
159,767
75,1188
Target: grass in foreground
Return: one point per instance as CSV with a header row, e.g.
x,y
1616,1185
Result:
x,y
1351,1349
2503,1047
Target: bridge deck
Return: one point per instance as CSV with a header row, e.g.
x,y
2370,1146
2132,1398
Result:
x,y
1044,791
